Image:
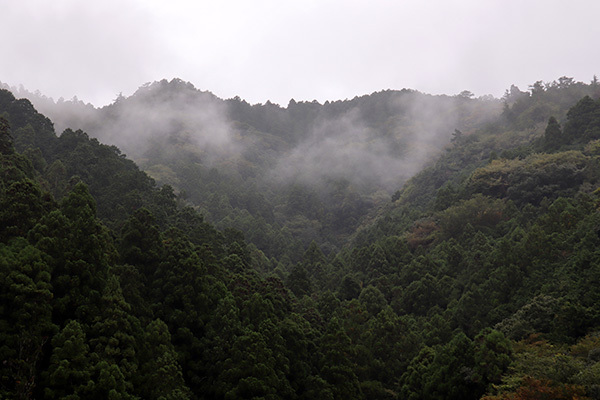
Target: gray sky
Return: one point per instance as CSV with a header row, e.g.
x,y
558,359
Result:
x,y
276,49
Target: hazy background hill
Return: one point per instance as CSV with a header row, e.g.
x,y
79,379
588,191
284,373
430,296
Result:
x,y
285,176
288,176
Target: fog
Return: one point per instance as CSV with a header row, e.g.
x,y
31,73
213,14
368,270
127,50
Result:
x,y
345,148
381,154
373,142
342,148
170,117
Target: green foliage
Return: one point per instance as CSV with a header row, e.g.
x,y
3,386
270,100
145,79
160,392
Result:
x,y
553,136
534,178
349,288
26,316
583,121
480,212
492,356
6,146
140,243
373,299
160,375
480,278
71,369
534,317
542,370
336,363
298,281
22,205
444,372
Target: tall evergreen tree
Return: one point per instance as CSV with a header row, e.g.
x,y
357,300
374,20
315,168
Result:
x,y
25,316
71,370
553,136
160,376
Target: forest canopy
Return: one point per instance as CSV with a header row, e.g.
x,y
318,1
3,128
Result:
x,y
207,269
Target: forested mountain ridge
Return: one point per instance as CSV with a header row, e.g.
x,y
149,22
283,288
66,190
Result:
x,y
497,228
523,120
479,279
278,174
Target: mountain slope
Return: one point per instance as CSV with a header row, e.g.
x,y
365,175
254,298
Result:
x,y
279,174
479,278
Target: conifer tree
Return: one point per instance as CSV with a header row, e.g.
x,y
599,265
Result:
x,y
160,375
71,372
115,333
25,316
336,366
553,136
80,251
6,145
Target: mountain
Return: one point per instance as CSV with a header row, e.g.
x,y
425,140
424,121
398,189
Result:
x,y
278,174
474,275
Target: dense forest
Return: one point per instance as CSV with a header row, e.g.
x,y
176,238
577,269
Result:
x,y
393,246
283,176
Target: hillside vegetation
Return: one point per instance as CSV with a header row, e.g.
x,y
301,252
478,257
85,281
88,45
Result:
x,y
476,277
283,176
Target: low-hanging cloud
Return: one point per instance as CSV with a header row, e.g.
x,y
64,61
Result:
x,y
167,117
414,128
373,142
342,148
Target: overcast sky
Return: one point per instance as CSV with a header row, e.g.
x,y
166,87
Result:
x,y
276,49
